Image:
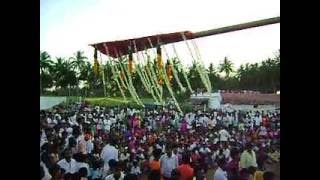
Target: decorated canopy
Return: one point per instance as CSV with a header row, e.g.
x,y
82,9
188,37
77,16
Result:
x,y
122,47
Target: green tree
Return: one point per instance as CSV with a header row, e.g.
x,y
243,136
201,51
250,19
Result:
x,y
64,75
46,64
226,66
78,63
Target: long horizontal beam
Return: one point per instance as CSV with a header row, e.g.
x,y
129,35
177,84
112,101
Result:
x,y
237,27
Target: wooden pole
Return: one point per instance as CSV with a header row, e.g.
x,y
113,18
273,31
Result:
x,y
237,27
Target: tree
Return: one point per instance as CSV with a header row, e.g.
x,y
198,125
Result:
x,y
214,77
226,66
45,68
78,63
194,77
64,75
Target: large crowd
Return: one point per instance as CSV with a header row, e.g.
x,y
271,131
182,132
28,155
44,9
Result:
x,y
81,141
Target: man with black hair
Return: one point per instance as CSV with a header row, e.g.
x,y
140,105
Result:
x,y
168,162
248,157
56,172
109,152
83,174
68,163
117,173
233,166
154,165
82,163
185,170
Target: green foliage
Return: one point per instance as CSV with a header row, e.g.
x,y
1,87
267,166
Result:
x,y
74,76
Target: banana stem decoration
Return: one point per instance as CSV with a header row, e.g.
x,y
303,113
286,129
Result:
x,y
203,75
175,74
159,65
182,70
96,65
115,78
130,62
164,74
143,77
129,83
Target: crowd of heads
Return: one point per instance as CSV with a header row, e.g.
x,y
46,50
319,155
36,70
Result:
x,y
81,141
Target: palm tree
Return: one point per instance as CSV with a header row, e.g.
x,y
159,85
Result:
x,y
45,67
77,63
64,75
87,75
226,66
194,77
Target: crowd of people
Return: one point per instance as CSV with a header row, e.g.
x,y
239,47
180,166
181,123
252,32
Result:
x,y
81,141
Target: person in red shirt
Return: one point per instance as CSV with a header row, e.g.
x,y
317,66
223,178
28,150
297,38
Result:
x,y
185,170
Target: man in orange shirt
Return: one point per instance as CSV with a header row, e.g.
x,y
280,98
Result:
x,y
154,165
185,170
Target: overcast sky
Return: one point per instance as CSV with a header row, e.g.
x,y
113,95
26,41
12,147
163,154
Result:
x,y
70,25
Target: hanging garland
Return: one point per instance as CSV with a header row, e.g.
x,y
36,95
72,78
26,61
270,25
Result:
x,y
115,78
175,74
131,88
202,64
144,83
144,79
183,70
159,65
133,95
156,70
130,62
169,71
167,82
153,76
200,68
164,75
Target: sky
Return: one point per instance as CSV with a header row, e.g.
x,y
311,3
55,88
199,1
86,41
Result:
x,y
67,26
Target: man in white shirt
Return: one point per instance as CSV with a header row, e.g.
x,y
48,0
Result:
x,y
117,174
68,163
88,143
109,152
168,162
226,152
224,135
220,173
81,163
